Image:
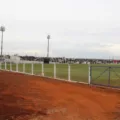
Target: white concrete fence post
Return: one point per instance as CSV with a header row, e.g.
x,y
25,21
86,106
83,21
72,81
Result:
x,y
89,74
54,70
32,68
42,69
23,67
69,72
16,66
10,66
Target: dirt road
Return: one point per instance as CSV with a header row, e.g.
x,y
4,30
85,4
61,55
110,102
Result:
x,y
24,97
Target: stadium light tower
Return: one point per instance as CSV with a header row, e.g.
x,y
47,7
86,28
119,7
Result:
x,y
48,37
2,29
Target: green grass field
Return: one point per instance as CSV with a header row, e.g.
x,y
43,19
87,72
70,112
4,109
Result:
x,y
79,72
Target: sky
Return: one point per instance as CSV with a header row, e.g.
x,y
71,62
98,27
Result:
x,y
78,28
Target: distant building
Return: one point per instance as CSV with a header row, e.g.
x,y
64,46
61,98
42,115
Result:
x,y
116,61
15,58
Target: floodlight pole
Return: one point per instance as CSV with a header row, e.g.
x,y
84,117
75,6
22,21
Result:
x,y
2,29
48,37
2,44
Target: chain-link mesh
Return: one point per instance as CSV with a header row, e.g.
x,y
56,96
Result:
x,y
28,67
3,65
37,69
99,75
13,66
8,66
20,67
105,75
49,70
115,76
62,71
79,72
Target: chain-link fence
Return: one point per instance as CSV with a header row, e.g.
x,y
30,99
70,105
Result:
x,y
105,75
79,72
98,75
37,69
73,72
62,71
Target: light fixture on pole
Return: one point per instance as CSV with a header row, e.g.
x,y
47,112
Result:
x,y
2,29
48,37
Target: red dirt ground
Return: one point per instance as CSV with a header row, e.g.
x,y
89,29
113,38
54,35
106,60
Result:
x,y
24,97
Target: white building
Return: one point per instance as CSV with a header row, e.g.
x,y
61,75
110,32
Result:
x,y
15,58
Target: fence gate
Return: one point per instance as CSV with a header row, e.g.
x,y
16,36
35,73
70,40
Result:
x,y
105,76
